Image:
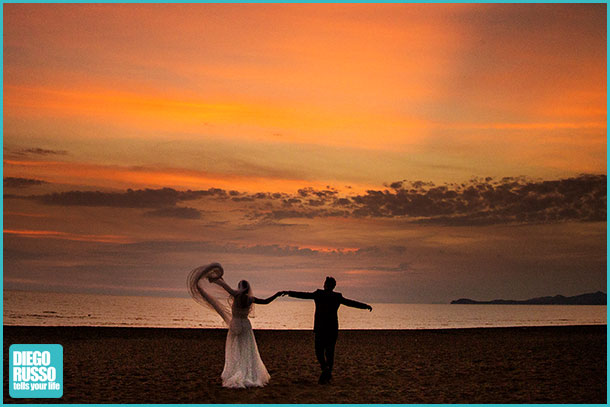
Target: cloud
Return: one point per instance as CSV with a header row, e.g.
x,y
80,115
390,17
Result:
x,y
270,224
377,251
34,151
142,198
478,202
14,182
175,212
11,253
55,234
273,250
321,194
486,201
42,151
481,201
304,212
291,201
400,268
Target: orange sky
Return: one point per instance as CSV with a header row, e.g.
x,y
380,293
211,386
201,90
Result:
x,y
122,84
276,98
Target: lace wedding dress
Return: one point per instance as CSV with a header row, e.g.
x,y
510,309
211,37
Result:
x,y
243,365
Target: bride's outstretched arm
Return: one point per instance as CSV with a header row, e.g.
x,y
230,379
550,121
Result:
x,y
267,300
224,285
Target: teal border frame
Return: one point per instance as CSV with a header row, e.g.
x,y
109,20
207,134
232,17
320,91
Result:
x,y
277,2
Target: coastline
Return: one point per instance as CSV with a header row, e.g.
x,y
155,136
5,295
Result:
x,y
564,364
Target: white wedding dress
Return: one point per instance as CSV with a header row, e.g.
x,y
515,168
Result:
x,y
243,365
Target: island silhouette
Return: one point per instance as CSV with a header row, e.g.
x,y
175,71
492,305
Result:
x,y
598,298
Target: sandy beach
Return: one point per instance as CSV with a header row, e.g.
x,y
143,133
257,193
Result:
x,y
503,365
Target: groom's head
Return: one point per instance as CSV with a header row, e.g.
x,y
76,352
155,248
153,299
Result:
x,y
329,283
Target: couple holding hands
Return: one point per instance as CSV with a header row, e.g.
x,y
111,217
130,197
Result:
x,y
243,365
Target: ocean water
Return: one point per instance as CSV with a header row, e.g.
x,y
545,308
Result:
x,y
54,309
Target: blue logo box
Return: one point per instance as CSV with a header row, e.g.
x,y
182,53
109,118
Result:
x,y
36,371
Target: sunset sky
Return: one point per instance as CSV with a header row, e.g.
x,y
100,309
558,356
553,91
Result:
x,y
417,153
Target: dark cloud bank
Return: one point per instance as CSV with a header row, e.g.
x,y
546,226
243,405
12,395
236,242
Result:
x,y
32,152
478,202
487,201
41,151
162,201
141,198
14,182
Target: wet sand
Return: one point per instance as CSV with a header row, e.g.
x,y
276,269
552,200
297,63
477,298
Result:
x,y
491,365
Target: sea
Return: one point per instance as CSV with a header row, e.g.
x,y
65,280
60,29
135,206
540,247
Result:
x,y
60,309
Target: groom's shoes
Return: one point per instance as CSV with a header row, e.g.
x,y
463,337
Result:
x,y
325,377
322,379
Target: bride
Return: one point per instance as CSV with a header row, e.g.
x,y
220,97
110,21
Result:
x,y
243,365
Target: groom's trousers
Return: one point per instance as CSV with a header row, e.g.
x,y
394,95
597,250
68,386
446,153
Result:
x,y
325,348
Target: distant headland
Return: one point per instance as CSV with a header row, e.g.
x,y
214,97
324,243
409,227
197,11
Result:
x,y
598,298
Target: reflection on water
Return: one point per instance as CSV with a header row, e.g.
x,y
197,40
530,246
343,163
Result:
x,y
53,309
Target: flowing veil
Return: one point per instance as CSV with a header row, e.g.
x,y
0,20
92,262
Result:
x,y
207,293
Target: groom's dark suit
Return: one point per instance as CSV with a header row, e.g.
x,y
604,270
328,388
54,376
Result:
x,y
326,322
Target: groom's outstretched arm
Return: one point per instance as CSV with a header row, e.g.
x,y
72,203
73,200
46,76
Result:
x,y
355,304
300,294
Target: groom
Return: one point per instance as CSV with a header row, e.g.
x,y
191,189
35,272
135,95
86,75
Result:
x,y
326,323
